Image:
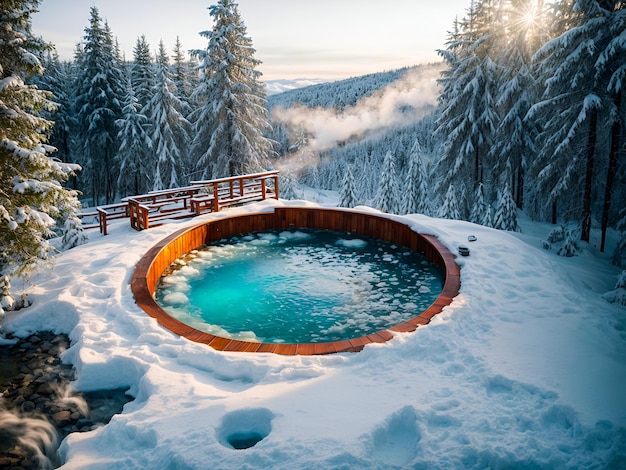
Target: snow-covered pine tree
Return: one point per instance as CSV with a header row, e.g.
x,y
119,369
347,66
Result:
x,y
136,173
231,120
366,174
347,194
182,75
569,247
618,258
99,87
142,71
72,232
386,199
30,192
506,211
468,118
287,185
169,127
450,207
515,136
414,199
582,69
487,220
57,79
478,212
311,177
610,72
618,295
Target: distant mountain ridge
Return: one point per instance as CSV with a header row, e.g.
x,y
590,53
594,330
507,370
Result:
x,y
341,93
273,87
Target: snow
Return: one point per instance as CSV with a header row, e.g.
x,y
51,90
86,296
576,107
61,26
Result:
x,y
273,87
526,369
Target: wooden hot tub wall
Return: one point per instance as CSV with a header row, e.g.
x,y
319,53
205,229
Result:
x,y
150,268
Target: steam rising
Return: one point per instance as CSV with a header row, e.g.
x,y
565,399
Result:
x,y
401,103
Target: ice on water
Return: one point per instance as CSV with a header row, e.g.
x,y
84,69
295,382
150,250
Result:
x,y
299,286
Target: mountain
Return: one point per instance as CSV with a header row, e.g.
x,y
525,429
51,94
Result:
x,y
273,87
341,93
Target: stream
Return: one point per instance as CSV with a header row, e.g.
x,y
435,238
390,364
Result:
x,y
38,407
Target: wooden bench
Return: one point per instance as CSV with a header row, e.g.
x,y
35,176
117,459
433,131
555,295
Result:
x,y
200,204
146,215
168,196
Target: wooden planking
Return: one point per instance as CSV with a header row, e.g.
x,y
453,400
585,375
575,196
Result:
x,y
150,268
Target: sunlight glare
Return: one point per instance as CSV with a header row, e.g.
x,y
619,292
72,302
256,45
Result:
x,y
530,15
527,21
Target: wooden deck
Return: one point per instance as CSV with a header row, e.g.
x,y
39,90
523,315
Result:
x,y
150,268
158,207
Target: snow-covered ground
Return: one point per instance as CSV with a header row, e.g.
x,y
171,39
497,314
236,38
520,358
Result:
x,y
525,369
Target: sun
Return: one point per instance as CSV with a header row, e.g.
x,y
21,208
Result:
x,y
527,20
530,14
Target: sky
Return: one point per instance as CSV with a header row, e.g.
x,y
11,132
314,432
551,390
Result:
x,y
326,39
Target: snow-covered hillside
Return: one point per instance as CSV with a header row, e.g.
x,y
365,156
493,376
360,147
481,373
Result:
x,y
273,87
525,369
342,93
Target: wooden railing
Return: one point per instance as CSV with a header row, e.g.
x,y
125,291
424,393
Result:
x,y
110,212
241,189
156,207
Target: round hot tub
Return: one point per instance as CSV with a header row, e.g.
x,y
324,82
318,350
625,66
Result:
x,y
277,244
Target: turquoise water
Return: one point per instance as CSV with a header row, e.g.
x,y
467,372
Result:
x,y
298,287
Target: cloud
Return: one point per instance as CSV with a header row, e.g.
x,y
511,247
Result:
x,y
401,103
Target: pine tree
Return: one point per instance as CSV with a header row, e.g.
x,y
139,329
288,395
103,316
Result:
x,y
618,295
450,206
287,185
610,74
169,127
515,136
230,123
386,199
478,213
142,71
72,233
56,79
583,75
569,247
468,118
30,193
618,258
100,86
347,195
506,211
415,192
133,156
487,220
181,74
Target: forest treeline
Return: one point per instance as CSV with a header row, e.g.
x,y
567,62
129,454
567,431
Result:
x,y
530,115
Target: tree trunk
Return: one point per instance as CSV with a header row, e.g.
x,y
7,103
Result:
x,y
519,187
610,175
477,167
591,148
